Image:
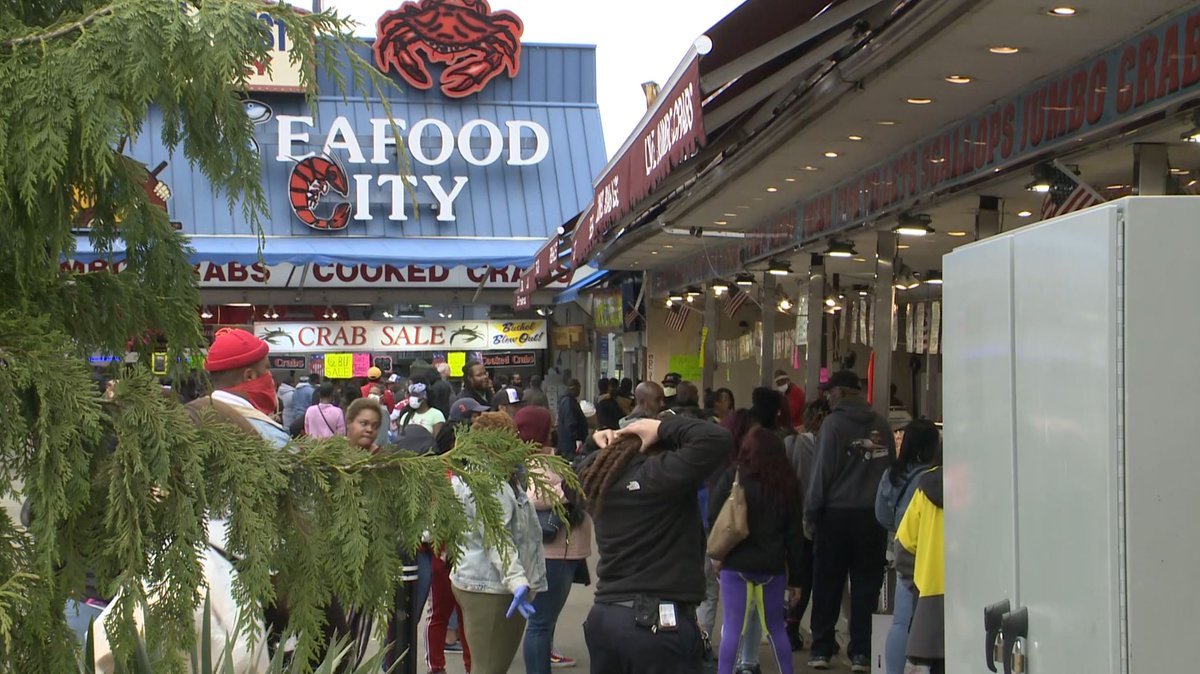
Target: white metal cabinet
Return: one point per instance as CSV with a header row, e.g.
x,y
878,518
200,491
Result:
x,y
1092,491
979,462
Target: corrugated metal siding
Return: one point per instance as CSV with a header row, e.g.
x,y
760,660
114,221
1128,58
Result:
x,y
555,88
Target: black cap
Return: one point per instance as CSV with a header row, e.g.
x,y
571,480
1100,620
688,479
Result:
x,y
843,379
415,438
506,396
465,408
672,379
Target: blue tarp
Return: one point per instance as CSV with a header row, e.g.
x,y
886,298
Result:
x,y
351,250
572,291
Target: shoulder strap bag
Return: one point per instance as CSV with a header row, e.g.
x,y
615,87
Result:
x,y
733,523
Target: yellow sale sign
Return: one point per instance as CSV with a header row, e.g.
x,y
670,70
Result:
x,y
339,365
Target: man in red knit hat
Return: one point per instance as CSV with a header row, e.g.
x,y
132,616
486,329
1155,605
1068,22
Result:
x,y
242,383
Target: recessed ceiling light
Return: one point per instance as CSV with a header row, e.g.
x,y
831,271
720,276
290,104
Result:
x,y
958,79
772,189
831,154
919,101
654,252
720,222
789,180
744,207
1003,49
1116,187
854,137
731,215
903,246
1179,171
885,122
1063,11
1024,214
811,168
956,232
668,245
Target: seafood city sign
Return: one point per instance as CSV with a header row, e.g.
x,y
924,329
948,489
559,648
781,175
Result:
x,y
326,196
476,45
382,336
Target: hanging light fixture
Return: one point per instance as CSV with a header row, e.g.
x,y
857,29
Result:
x,y
914,225
779,268
841,249
719,287
744,280
670,303
693,291
785,304
675,296
933,277
544,311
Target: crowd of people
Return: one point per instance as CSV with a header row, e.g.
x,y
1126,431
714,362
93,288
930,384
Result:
x,y
805,497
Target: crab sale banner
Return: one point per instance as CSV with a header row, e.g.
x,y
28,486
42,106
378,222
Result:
x,y
368,336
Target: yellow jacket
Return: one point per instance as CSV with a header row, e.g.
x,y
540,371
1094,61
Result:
x,y
921,535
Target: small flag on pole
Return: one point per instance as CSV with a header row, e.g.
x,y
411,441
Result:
x,y
1067,195
735,301
677,318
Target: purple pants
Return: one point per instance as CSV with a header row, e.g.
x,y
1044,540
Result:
x,y
736,589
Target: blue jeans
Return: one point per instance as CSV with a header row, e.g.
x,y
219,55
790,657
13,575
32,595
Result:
x,y
897,638
539,632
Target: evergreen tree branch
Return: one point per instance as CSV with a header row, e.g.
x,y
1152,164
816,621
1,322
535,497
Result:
x,y
59,32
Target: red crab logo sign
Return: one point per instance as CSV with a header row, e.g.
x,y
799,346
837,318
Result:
x,y
476,43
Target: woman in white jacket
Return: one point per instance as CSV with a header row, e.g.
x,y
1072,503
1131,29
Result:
x,y
496,597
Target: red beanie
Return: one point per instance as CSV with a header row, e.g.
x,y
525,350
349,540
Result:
x,y
233,348
533,424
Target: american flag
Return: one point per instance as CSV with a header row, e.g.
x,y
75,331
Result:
x,y
677,318
631,317
737,297
1067,195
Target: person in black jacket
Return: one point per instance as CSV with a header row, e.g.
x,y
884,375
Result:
x,y
640,485
756,571
572,425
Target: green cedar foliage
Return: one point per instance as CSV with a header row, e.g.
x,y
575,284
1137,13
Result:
x,y
122,489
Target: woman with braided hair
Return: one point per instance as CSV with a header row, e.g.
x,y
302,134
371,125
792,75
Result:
x,y
641,483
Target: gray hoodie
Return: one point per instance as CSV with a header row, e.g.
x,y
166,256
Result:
x,y
854,449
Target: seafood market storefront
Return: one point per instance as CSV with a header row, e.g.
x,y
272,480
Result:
x,y
409,232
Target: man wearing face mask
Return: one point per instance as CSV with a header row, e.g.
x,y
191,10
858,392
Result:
x,y
795,395
244,389
243,396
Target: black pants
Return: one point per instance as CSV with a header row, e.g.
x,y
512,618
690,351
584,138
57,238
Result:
x,y
848,542
805,583
616,645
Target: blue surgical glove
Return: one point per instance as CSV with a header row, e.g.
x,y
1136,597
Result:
x,y
521,603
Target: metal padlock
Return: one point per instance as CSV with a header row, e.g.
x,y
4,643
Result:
x,y
1019,657
998,648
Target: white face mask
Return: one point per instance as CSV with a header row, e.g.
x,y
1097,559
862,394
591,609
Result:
x,y
414,402
374,396
782,388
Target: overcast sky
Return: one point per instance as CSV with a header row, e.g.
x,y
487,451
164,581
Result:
x,y
636,41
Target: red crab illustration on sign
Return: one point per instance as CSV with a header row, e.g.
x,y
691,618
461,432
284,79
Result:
x,y
311,179
476,43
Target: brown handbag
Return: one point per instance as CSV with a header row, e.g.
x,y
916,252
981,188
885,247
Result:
x,y
733,523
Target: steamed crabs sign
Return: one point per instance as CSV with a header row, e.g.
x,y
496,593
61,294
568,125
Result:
x,y
380,336
475,45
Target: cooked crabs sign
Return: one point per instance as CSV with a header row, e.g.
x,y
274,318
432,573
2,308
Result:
x,y
381,336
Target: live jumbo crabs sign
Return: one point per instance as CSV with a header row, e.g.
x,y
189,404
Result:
x,y
380,336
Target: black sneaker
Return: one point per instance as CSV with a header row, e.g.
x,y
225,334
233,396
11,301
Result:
x,y
818,662
860,663
797,642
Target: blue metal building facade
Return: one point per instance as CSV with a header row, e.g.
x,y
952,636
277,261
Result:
x,y
501,216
